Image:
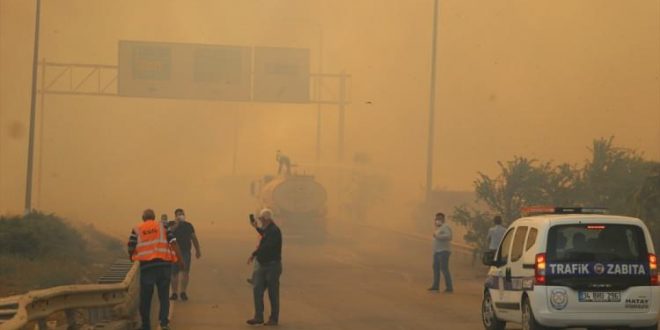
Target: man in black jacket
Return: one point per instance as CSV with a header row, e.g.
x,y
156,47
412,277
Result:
x,y
267,274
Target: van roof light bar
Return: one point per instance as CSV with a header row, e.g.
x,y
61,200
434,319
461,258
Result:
x,y
540,210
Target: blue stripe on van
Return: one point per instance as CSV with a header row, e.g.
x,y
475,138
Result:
x,y
523,283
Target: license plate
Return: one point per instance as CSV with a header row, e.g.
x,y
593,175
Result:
x,y
588,296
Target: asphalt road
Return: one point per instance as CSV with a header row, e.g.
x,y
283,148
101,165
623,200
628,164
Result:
x,y
358,278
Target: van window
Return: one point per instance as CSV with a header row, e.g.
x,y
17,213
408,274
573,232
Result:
x,y
596,243
518,243
503,254
531,238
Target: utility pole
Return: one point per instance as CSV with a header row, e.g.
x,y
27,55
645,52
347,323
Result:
x,y
429,154
30,153
342,116
319,85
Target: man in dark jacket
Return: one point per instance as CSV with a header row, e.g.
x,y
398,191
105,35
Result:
x,y
267,275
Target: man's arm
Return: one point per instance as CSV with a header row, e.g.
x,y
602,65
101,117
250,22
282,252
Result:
x,y
257,228
444,234
198,251
175,246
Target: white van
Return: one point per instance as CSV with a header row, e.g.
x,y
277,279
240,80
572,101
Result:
x,y
572,267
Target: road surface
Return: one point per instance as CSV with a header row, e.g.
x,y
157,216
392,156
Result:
x,y
359,278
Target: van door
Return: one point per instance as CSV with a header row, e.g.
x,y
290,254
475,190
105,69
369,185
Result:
x,y
599,267
513,273
498,276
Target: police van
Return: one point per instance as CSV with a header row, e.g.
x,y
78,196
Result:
x,y
572,267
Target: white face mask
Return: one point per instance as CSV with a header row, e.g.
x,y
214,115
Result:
x,y
438,223
181,217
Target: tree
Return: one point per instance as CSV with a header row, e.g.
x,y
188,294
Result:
x,y
612,177
521,182
616,178
647,202
477,223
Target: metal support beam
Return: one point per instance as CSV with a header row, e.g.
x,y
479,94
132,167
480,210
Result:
x,y
235,151
33,110
318,97
107,77
42,119
429,151
342,116
102,86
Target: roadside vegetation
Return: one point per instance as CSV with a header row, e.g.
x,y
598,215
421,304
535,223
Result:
x,y
616,178
43,250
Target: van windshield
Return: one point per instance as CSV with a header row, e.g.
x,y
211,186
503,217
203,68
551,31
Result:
x,y
596,243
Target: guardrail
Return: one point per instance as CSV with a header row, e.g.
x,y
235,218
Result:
x,y
36,306
8,308
460,247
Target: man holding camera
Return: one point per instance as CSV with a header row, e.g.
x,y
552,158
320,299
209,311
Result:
x,y
267,274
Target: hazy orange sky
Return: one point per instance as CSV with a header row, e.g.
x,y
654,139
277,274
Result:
x,y
534,78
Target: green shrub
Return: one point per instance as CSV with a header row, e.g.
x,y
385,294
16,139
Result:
x,y
40,236
43,250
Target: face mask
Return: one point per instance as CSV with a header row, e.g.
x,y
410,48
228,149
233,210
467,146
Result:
x,y
181,217
438,223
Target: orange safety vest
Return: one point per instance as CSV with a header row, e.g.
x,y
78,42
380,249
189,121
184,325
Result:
x,y
152,243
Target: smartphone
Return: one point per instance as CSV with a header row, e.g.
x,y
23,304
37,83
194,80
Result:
x,y
252,219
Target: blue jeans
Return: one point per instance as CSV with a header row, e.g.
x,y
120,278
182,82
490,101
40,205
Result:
x,y
267,276
441,264
158,276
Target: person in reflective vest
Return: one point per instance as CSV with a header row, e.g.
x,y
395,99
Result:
x,y
154,246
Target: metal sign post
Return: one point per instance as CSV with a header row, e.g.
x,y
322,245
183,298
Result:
x,y
429,153
33,110
78,79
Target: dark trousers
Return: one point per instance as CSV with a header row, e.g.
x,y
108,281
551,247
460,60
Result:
x,y
158,276
441,264
267,276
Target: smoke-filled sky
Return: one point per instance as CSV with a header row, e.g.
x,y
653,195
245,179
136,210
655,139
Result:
x,y
533,78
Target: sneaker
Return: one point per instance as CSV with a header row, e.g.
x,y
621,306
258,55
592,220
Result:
x,y
271,323
184,296
174,296
254,322
164,327
449,291
433,289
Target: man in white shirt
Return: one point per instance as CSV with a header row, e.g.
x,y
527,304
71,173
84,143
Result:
x,y
496,233
441,251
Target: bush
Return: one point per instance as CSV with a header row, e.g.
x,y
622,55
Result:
x,y
43,250
40,235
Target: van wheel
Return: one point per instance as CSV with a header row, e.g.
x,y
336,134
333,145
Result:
x,y
528,320
488,314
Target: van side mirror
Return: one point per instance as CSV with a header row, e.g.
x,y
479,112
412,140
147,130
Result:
x,y
488,258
